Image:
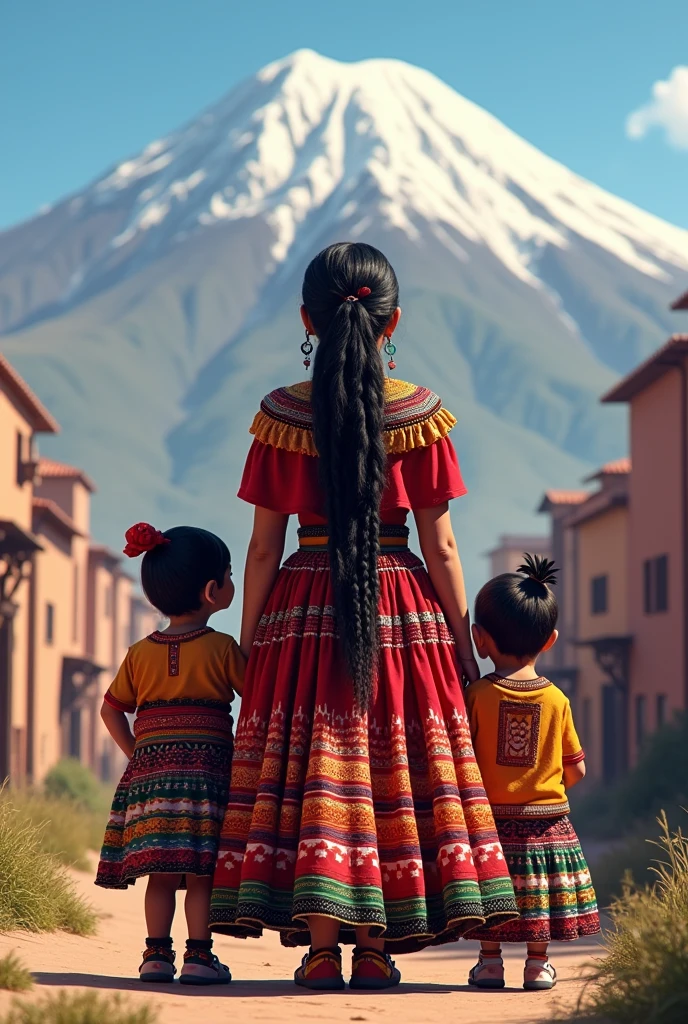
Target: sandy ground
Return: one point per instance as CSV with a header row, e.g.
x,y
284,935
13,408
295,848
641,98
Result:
x,y
434,982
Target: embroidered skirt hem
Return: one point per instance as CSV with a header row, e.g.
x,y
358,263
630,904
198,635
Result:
x,y
169,805
551,880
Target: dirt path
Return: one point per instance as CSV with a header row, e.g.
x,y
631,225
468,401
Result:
x,y
434,981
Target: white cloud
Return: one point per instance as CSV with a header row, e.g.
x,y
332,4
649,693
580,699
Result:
x,y
668,109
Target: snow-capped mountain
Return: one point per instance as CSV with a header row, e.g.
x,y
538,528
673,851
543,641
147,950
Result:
x,y
153,308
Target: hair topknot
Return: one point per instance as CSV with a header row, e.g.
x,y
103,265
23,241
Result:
x,y
518,609
538,568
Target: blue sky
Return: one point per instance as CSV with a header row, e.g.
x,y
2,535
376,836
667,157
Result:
x,y
85,84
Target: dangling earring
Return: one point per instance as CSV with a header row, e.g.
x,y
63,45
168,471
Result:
x,y
390,350
307,348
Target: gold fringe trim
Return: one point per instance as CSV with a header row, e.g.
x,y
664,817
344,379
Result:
x,y
420,435
282,435
403,439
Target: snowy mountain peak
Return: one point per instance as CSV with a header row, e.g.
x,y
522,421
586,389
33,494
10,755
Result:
x,y
375,139
378,144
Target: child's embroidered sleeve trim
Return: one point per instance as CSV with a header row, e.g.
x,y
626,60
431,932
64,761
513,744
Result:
x,y
119,705
574,758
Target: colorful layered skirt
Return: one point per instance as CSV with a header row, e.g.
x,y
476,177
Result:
x,y
552,882
377,820
169,805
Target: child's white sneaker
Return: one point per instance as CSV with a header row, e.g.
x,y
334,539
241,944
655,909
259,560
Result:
x,y
487,973
539,975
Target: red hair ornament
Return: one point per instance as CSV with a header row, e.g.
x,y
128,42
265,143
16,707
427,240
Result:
x,y
362,293
141,538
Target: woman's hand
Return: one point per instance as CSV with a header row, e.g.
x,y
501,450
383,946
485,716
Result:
x,y
470,669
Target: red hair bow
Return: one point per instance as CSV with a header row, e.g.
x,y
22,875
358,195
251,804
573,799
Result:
x,y
362,293
142,537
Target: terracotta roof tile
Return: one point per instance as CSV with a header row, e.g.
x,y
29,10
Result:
x,y
670,355
36,413
49,469
566,497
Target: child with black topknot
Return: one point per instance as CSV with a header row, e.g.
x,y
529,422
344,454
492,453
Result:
x,y
169,805
529,757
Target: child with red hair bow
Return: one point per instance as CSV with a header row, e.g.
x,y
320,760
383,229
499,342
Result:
x,y
169,805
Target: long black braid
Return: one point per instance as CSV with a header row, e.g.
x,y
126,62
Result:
x,y
348,413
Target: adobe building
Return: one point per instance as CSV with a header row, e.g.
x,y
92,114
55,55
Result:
x,y
22,417
657,396
623,549
508,554
68,611
593,534
562,665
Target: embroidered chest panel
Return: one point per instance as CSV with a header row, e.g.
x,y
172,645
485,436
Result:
x,y
173,642
519,732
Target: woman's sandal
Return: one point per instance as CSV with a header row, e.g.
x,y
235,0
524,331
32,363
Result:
x,y
321,971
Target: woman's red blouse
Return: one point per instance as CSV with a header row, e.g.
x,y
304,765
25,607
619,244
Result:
x,y
281,472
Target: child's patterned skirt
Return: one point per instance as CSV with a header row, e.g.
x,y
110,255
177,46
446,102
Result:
x,y
551,880
169,805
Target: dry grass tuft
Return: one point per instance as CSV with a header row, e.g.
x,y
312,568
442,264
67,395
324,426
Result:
x,y
14,977
79,1008
643,979
35,893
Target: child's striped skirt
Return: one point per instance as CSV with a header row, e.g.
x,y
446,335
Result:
x,y
169,805
554,892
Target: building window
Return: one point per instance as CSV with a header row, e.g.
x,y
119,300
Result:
x,y
598,595
640,722
20,458
49,623
656,584
75,607
661,709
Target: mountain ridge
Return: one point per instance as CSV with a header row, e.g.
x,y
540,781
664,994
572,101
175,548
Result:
x,y
152,310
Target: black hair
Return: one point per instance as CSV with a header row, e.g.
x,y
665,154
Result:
x,y
348,412
174,575
519,611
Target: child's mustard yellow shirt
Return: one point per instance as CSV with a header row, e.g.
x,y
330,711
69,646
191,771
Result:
x,y
200,665
523,735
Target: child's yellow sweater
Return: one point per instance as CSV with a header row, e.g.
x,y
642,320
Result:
x,y
523,735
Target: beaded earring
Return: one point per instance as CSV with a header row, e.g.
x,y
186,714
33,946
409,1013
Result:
x,y
307,348
390,350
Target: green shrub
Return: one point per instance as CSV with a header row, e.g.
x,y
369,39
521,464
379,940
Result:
x,y
79,1008
35,892
71,780
67,831
644,976
14,977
